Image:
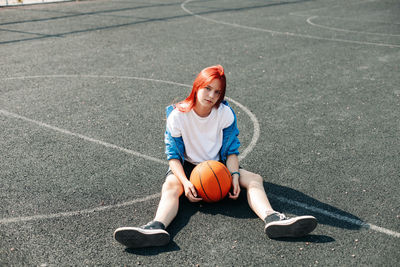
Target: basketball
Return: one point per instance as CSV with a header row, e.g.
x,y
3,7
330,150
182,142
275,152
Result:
x,y
212,180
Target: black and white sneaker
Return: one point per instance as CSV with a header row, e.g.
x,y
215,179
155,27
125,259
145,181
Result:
x,y
277,225
149,235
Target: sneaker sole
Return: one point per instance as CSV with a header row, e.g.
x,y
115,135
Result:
x,y
295,227
133,237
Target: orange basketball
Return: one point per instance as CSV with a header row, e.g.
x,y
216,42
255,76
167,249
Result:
x,y
212,180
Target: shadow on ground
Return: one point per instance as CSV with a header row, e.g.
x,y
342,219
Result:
x,y
283,199
291,201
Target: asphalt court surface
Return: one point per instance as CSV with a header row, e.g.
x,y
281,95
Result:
x,y
82,96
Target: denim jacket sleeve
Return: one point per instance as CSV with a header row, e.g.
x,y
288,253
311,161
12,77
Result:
x,y
174,146
230,140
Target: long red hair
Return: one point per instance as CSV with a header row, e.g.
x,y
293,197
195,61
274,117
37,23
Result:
x,y
203,79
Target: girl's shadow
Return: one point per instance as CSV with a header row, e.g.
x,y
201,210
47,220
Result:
x,y
283,199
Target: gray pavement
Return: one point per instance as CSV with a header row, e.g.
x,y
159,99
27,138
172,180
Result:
x,y
82,96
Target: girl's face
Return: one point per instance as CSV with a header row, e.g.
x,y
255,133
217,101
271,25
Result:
x,y
209,95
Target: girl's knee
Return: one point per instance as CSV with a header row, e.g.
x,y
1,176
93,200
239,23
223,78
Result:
x,y
172,186
251,179
256,178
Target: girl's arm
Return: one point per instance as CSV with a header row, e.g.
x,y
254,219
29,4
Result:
x,y
232,162
177,169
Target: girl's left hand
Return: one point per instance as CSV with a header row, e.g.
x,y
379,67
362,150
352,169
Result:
x,y
235,188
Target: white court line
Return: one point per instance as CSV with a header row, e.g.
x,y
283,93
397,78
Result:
x,y
281,33
349,19
97,209
94,76
256,129
77,213
309,21
336,216
81,136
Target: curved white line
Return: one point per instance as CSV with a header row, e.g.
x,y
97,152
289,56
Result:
x,y
77,213
253,118
256,129
93,76
309,21
281,33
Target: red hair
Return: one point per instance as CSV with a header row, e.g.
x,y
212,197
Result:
x,y
203,79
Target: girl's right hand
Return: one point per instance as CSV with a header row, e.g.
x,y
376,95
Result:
x,y
190,192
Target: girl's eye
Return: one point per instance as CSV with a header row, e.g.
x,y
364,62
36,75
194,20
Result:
x,y
218,92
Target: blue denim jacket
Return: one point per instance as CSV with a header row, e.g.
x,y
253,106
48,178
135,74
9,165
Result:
x,y
175,148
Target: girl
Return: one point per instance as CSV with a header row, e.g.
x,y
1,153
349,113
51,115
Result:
x,y
203,127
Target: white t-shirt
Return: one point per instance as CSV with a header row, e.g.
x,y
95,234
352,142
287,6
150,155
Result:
x,y
202,136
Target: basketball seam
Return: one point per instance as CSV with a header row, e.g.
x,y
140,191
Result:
x,y
227,171
201,183
229,175
216,178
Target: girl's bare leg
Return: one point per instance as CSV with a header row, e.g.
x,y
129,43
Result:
x,y
256,196
168,207
277,225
